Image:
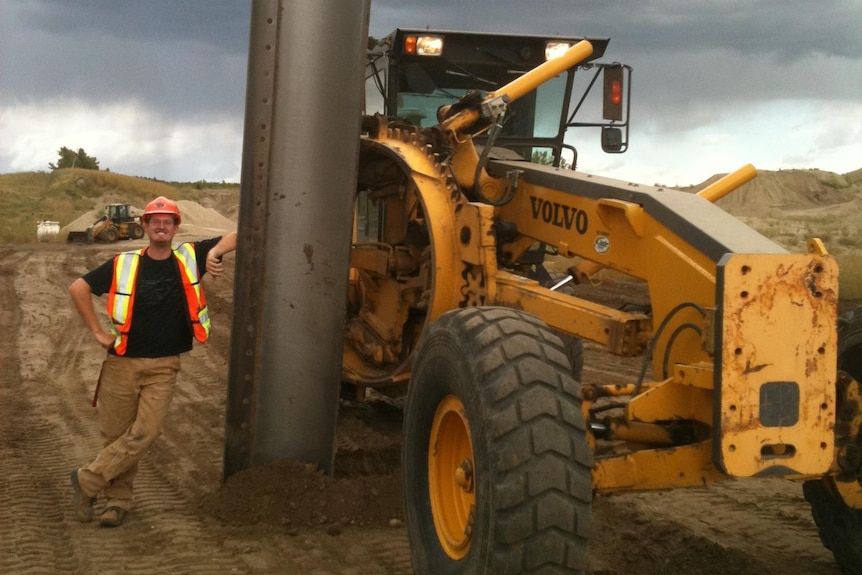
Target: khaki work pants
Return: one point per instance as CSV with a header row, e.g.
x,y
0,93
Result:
x,y
134,396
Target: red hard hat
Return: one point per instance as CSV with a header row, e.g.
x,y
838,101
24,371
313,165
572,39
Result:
x,y
162,205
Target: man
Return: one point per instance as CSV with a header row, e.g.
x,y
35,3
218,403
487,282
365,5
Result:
x,y
157,307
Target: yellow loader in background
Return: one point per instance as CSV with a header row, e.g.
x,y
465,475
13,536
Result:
x,y
117,223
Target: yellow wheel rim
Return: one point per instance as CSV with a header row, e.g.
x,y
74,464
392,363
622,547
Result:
x,y
451,481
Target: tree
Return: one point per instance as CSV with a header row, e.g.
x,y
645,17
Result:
x,y
71,159
543,157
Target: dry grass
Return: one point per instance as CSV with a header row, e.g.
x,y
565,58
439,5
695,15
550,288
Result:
x,y
850,278
790,207
64,195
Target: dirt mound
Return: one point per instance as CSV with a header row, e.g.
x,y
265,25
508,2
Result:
x,y
81,223
365,489
783,190
225,202
201,222
294,495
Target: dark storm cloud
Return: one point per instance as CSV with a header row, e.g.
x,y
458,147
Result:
x,y
788,29
189,56
221,25
185,57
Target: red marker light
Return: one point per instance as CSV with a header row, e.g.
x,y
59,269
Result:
x,y
616,92
410,45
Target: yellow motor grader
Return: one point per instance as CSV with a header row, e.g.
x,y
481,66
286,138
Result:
x,y
748,371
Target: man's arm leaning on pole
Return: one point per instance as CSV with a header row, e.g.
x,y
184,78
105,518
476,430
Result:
x,y
226,245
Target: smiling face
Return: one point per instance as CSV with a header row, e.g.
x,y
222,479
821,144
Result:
x,y
161,229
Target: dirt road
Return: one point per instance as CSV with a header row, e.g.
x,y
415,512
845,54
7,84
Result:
x,y
286,518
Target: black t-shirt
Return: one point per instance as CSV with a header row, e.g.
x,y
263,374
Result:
x,y
160,321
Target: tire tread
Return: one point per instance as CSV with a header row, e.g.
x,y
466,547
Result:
x,y
552,517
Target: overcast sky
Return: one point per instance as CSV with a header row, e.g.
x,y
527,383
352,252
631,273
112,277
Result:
x,y
156,88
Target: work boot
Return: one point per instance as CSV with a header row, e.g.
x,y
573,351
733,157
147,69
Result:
x,y
81,502
112,517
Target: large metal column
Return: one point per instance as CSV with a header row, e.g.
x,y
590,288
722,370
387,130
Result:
x,y
300,154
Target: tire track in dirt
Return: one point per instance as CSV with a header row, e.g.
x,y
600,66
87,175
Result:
x,y
33,535
192,443
394,552
162,534
761,517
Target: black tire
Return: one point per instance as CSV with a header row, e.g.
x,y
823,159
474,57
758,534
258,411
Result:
x,y
840,526
136,232
531,463
850,343
110,235
575,352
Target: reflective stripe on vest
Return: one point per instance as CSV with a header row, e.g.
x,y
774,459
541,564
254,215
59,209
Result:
x,y
197,301
121,298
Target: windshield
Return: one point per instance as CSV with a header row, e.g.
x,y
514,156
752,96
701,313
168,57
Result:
x,y
424,87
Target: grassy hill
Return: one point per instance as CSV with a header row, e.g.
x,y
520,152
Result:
x,y
792,206
65,195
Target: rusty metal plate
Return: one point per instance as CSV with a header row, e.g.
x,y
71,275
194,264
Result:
x,y
775,364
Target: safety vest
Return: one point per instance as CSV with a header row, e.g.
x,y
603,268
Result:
x,y
121,298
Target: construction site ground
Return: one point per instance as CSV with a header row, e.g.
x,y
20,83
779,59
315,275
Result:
x,y
287,517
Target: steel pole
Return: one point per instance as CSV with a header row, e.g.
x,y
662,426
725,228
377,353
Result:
x,y
300,157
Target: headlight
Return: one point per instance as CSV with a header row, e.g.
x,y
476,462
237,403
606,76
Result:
x,y
423,45
555,49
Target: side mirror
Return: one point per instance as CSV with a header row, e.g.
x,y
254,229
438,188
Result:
x,y
612,140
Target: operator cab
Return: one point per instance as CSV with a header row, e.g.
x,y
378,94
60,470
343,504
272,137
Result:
x,y
412,73
118,212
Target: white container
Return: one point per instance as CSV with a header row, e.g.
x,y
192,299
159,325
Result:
x,y
46,230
